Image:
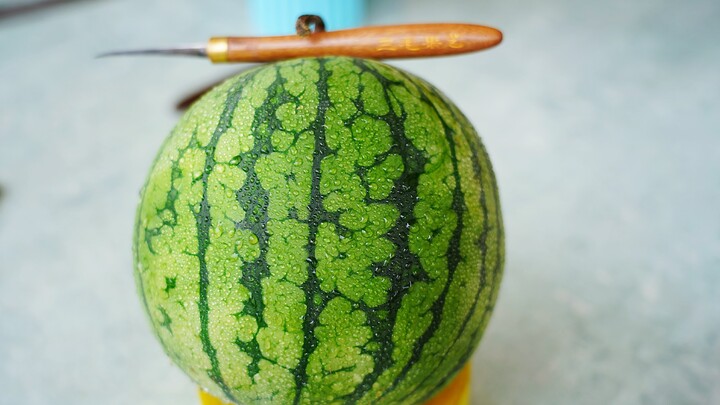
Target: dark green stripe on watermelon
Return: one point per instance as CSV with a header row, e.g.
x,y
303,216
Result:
x,y
452,253
204,222
327,229
404,268
318,214
253,199
478,170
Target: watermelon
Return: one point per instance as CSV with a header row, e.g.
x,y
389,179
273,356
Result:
x,y
320,230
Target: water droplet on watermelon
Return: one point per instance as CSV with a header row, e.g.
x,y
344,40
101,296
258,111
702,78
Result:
x,y
220,168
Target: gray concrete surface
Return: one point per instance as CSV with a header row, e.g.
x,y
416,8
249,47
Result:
x,y
602,120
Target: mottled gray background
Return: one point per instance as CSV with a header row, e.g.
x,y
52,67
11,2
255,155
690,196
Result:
x,y
602,120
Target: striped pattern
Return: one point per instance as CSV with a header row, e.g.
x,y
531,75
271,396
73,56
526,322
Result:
x,y
320,231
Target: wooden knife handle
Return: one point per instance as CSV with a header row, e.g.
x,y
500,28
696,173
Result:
x,y
379,42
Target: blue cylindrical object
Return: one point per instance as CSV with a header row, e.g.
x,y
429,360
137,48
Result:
x,y
277,17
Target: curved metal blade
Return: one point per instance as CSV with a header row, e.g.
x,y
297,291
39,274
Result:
x,y
187,50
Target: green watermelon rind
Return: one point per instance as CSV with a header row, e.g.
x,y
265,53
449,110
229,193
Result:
x,y
320,230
